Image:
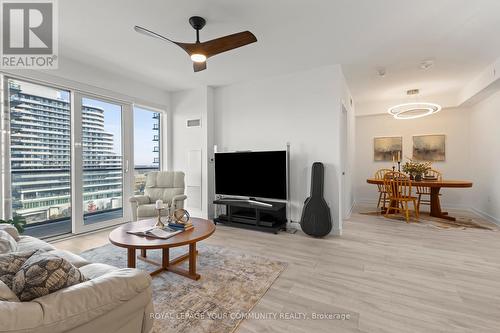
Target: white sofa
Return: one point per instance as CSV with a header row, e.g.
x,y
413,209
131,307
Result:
x,y
112,300
164,185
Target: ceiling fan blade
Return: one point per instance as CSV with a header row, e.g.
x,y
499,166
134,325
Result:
x,y
199,66
150,33
190,48
226,43
208,48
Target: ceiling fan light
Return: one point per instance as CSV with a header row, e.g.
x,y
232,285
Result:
x,y
198,57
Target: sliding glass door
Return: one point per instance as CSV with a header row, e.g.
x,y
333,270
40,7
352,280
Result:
x,y
65,157
102,155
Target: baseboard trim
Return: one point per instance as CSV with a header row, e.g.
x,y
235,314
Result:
x,y
365,202
485,215
296,225
336,232
293,224
349,212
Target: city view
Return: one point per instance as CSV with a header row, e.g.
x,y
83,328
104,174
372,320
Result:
x,y
40,153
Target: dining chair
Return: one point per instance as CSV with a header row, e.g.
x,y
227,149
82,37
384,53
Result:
x,y
425,191
382,194
398,187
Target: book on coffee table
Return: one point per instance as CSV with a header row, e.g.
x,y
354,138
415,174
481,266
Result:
x,y
181,226
164,233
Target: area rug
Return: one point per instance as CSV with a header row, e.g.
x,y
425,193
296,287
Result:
x,y
462,221
231,284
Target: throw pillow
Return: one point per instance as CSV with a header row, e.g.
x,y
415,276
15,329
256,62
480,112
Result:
x,y
44,273
10,264
11,230
6,294
7,243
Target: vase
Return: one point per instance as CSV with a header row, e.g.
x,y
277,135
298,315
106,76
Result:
x,y
411,177
418,177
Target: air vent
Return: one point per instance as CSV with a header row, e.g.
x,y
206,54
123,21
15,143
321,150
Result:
x,y
194,123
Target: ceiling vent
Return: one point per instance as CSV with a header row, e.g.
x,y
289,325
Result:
x,y
193,123
426,64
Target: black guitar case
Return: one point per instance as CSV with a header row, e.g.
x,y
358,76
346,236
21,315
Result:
x,y
316,219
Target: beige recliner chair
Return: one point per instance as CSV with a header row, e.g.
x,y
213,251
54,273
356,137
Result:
x,y
164,185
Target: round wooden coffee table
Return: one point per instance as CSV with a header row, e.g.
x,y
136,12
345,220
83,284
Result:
x,y
202,229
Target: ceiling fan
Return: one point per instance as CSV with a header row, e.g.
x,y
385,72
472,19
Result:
x,y
201,51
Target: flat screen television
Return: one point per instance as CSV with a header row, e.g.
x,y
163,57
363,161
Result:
x,y
259,174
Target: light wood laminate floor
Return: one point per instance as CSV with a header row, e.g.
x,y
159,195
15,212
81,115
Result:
x,y
389,276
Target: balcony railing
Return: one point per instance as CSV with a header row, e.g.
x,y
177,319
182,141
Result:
x,y
52,213
42,206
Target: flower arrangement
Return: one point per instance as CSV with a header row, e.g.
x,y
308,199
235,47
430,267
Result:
x,y
416,169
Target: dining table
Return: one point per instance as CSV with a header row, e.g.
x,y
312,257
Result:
x,y
435,187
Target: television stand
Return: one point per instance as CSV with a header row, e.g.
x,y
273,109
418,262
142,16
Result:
x,y
253,214
250,201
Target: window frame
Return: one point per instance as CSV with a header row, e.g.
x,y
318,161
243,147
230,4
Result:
x,y
75,90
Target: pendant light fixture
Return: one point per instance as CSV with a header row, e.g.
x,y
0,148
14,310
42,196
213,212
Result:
x,y
415,109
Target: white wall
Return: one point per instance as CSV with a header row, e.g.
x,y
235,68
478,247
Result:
x,y
185,105
485,156
208,182
301,108
454,123
347,120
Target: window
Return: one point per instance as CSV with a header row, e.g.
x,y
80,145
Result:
x,y
40,153
146,146
56,153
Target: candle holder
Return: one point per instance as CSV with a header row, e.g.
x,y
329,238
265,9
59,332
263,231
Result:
x,y
393,168
169,213
399,166
159,224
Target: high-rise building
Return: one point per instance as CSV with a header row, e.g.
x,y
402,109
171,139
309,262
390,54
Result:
x,y
40,151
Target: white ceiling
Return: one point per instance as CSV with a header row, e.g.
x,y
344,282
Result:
x,y
362,35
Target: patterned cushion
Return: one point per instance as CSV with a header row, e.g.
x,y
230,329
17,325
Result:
x,y
44,273
6,294
7,242
10,264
